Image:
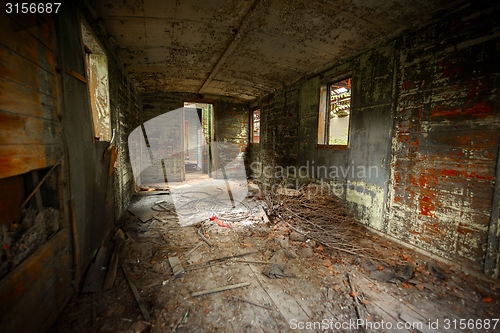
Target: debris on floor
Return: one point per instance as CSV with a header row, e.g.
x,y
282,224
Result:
x,y
267,276
20,240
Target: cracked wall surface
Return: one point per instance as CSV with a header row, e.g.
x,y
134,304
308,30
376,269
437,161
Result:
x,y
425,113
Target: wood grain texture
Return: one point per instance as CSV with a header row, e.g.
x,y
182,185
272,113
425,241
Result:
x,y
19,159
32,295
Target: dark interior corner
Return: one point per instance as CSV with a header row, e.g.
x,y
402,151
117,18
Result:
x,y
323,161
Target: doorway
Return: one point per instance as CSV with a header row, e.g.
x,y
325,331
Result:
x,y
198,134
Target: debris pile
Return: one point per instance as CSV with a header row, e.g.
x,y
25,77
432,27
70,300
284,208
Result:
x,y
314,212
24,239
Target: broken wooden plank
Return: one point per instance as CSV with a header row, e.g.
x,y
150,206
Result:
x,y
354,295
287,305
76,75
177,268
137,296
35,292
109,281
96,274
219,289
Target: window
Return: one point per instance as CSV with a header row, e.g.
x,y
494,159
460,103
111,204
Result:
x,y
334,112
98,84
255,127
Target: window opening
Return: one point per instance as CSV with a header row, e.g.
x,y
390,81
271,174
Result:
x,y
255,127
334,113
98,84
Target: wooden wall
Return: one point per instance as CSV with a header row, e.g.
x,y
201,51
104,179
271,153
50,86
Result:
x,y
29,126
33,294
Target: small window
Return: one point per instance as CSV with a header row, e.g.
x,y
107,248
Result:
x,y
334,112
255,127
98,84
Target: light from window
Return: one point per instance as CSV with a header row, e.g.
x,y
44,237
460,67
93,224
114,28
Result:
x,y
334,112
255,126
98,84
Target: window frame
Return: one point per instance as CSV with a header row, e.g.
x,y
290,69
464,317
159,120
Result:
x,y
252,126
102,126
324,101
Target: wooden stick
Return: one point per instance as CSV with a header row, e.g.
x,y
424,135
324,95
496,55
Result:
x,y
218,289
231,257
180,320
137,296
205,238
192,250
76,75
41,182
217,260
249,302
255,262
327,245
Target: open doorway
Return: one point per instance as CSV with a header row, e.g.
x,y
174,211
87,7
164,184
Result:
x,y
198,162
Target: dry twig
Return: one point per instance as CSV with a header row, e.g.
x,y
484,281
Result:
x,y
319,215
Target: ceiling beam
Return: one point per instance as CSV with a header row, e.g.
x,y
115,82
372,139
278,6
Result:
x,y
244,26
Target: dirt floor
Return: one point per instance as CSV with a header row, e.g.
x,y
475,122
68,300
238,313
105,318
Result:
x,y
290,283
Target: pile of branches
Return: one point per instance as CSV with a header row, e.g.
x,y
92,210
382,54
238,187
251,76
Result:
x,y
318,214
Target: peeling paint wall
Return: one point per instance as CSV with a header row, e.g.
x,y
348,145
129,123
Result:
x,y
279,132
425,113
446,136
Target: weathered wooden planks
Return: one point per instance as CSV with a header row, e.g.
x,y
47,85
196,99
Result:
x,y
19,159
20,129
33,294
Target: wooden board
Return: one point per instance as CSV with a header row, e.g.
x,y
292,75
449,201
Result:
x,y
94,281
18,129
33,294
31,76
25,44
19,99
19,159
